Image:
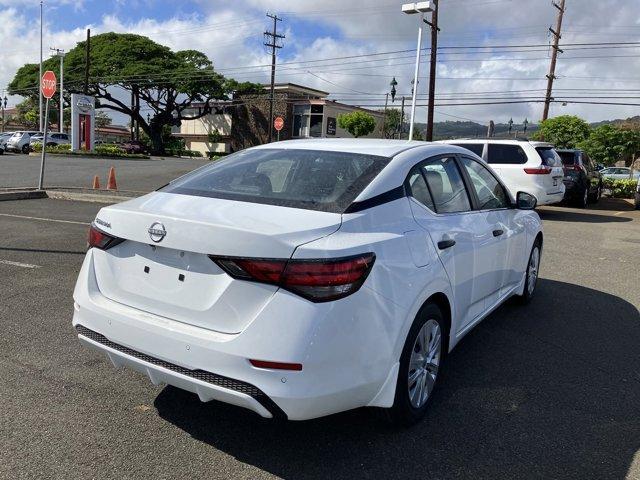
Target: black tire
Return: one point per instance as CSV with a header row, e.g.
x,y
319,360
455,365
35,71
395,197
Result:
x,y
582,199
403,413
528,293
25,148
596,198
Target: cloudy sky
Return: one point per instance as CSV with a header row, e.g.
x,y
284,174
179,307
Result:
x,y
367,43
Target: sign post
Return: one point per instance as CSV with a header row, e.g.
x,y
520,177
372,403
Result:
x,y
48,88
278,124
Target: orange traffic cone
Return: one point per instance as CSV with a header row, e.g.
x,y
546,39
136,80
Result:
x,y
111,182
96,183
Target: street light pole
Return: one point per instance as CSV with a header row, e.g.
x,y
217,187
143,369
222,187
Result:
x,y
411,8
3,104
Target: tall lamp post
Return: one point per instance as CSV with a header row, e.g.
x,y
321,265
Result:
x,y
3,104
410,9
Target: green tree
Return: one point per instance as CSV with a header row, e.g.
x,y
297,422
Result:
x,y
357,123
608,143
565,131
102,119
167,82
392,122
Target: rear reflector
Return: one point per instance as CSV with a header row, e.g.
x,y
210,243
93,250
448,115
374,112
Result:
x,y
276,365
99,239
318,280
538,171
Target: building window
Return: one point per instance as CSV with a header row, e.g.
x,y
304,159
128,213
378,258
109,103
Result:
x,y
307,120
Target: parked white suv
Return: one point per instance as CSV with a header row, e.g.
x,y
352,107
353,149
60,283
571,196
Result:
x,y
532,167
19,142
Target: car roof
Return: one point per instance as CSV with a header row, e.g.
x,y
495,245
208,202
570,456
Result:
x,y
370,146
499,141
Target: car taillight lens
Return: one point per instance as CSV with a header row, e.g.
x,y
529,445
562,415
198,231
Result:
x,y
98,239
543,170
318,280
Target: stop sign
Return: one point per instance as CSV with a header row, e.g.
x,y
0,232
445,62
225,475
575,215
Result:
x,y
278,123
48,84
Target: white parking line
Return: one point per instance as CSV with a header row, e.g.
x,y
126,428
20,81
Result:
x,y
18,264
43,219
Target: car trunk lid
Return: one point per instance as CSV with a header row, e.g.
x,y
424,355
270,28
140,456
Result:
x,y
174,277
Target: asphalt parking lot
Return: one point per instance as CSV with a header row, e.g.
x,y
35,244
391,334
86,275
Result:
x,y
142,175
551,390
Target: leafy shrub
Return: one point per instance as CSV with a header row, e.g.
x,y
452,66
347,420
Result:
x,y
109,149
620,188
180,152
37,147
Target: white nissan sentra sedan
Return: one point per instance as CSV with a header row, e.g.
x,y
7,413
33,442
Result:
x,y
307,277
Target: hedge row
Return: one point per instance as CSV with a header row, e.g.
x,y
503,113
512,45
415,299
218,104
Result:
x,y
625,188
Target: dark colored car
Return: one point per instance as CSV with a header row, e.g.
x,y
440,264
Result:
x,y
582,180
134,146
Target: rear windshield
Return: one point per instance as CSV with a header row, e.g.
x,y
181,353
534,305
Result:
x,y
568,158
506,154
309,179
549,156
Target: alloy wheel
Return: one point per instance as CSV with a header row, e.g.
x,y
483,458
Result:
x,y
424,363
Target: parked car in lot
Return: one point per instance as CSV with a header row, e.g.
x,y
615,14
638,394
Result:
x,y
582,180
619,173
133,146
532,167
19,141
52,139
637,196
4,137
308,277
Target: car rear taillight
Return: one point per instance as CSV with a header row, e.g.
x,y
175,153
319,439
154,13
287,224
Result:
x,y
543,170
318,280
98,239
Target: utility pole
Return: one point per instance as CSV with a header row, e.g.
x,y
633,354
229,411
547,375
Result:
x,y
60,53
40,119
87,61
432,69
554,56
272,42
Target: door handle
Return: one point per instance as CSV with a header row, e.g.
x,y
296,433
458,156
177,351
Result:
x,y
497,233
444,244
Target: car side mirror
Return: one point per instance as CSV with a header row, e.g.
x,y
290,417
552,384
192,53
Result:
x,y
525,201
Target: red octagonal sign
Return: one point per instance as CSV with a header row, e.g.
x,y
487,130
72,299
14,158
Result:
x,y
48,84
278,123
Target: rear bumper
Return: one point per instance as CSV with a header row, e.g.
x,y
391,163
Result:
x,y
208,386
337,375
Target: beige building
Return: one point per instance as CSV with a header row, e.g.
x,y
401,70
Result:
x,y
243,122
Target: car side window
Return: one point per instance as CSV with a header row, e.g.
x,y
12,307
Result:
x,y
506,154
490,193
446,186
473,147
418,188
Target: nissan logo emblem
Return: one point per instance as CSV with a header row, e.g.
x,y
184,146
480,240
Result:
x,y
157,232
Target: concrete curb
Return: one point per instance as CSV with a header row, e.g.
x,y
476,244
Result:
x,y
87,197
97,157
22,195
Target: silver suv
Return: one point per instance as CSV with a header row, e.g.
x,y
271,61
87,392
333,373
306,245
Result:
x,y
52,139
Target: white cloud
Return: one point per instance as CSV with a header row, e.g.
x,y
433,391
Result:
x,y
231,33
